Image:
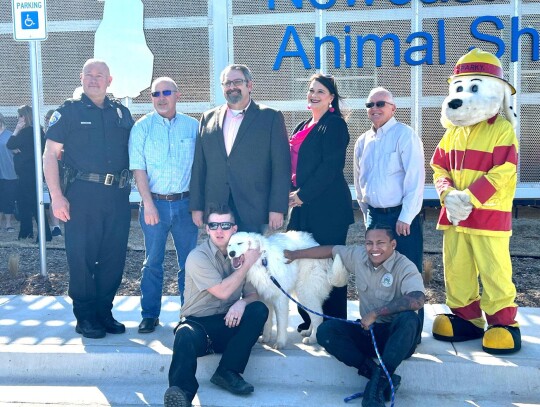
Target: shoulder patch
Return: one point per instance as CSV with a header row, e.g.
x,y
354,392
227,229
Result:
x,y
54,118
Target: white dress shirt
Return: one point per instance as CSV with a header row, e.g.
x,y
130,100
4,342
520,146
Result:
x,y
389,169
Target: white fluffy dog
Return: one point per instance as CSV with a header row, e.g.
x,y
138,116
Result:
x,y
311,279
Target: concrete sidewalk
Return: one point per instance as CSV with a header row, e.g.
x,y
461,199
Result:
x,y
44,362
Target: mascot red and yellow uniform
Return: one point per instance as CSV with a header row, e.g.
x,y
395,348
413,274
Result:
x,y
475,172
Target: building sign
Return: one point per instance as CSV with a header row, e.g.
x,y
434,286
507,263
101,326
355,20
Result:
x,y
418,49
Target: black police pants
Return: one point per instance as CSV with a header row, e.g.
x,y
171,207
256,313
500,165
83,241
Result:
x,y
96,239
351,344
200,336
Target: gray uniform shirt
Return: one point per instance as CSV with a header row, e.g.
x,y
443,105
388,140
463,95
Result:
x,y
377,287
206,267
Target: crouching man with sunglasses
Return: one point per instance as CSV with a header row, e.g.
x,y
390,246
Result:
x,y
221,314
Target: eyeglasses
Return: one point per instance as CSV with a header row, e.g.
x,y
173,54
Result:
x,y
379,103
236,82
223,225
157,93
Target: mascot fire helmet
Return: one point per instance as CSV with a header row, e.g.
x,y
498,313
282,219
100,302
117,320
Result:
x,y
478,62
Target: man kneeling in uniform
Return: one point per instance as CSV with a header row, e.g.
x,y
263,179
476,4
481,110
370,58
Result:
x,y
221,313
391,292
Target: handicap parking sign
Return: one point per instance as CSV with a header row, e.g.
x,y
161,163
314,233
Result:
x,y
29,20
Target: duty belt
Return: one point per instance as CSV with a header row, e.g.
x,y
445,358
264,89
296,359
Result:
x,y
121,178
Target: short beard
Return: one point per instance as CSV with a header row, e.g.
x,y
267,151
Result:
x,y
233,99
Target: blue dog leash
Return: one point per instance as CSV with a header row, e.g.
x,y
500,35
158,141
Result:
x,y
356,395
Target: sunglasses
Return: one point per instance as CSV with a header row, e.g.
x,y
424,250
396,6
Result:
x,y
157,93
223,225
379,103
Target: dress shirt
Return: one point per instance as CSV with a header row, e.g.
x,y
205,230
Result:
x,y
389,169
231,124
164,149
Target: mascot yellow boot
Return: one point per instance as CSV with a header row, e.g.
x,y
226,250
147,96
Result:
x,y
475,174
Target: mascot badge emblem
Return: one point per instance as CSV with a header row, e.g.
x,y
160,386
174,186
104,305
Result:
x,y
475,174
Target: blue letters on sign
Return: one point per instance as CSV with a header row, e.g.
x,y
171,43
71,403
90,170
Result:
x,y
29,20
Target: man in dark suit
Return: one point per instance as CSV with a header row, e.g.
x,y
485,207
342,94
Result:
x,y
242,158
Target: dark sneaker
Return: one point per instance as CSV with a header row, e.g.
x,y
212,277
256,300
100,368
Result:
x,y
112,326
148,325
56,231
175,397
231,381
90,329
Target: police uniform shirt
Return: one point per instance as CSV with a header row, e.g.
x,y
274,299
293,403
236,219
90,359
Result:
x,y
377,287
95,140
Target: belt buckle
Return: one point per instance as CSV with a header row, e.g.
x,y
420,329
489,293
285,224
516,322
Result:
x,y
169,197
109,178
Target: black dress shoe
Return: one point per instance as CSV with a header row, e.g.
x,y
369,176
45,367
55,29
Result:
x,y
175,397
148,325
231,381
90,329
112,326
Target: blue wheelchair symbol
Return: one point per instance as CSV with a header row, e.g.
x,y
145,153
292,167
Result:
x,y
29,20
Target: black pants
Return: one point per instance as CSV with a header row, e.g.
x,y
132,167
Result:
x,y
201,336
96,243
351,344
336,303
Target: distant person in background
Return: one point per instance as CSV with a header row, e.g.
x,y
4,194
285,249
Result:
x,y
53,220
8,178
22,145
320,197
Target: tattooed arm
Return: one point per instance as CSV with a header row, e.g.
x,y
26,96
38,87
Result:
x,y
412,301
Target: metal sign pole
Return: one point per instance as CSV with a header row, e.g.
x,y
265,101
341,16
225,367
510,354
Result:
x,y
37,156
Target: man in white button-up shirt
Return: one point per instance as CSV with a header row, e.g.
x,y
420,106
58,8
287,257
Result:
x,y
389,175
161,149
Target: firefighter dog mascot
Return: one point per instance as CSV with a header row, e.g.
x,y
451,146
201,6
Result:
x,y
475,171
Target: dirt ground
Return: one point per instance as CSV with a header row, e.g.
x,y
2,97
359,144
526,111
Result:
x,y
524,247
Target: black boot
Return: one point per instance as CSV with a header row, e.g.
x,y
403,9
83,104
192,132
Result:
x,y
367,368
374,392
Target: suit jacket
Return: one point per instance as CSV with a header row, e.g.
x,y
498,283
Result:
x,y
325,194
257,172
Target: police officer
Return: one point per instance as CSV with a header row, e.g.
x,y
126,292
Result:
x,y
91,135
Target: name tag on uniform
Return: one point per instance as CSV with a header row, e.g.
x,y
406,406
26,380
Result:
x,y
86,122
